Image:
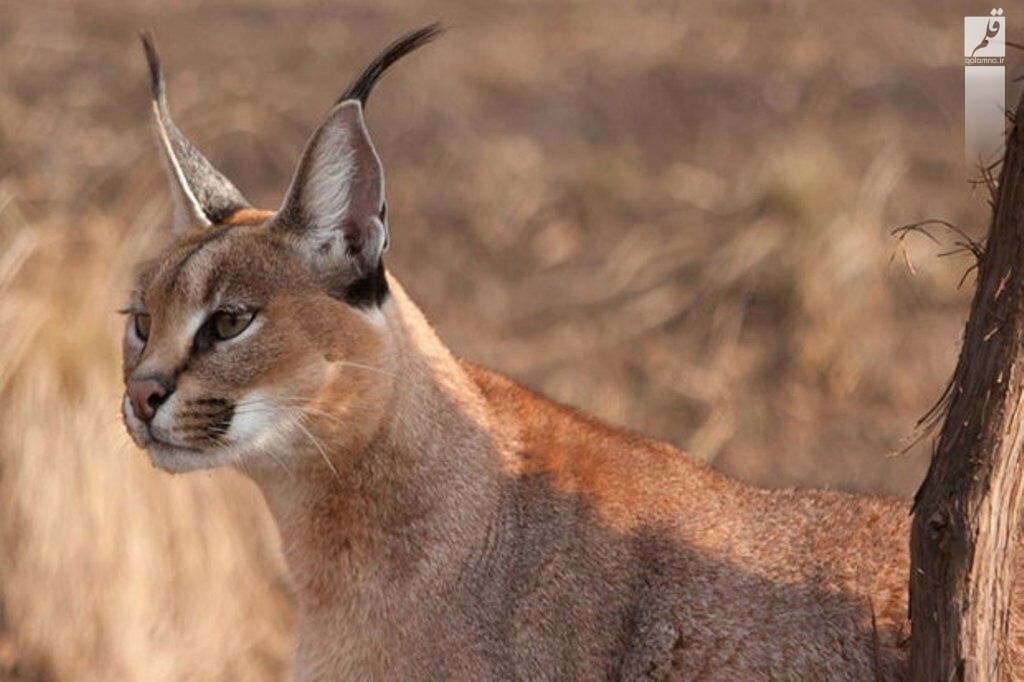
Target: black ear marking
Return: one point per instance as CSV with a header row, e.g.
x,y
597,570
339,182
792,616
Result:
x,y
366,292
203,196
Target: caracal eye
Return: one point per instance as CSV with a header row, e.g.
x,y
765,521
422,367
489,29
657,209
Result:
x,y
141,322
228,324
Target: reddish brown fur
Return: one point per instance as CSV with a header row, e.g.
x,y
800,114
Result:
x,y
249,216
442,521
789,540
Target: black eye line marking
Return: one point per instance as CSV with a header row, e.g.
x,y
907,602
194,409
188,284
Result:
x,y
203,341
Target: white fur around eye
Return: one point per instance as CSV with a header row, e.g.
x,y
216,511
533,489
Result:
x,y
194,322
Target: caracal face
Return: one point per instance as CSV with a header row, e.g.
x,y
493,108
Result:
x,y
258,335
235,354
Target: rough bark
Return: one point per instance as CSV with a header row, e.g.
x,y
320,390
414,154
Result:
x,y
966,512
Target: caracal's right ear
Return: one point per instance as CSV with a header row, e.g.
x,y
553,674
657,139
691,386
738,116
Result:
x,y
335,209
202,195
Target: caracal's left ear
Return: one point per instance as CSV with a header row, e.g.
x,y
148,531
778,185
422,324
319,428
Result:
x,y
335,209
202,195
335,205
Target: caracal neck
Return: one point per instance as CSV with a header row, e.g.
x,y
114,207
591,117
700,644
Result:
x,y
414,497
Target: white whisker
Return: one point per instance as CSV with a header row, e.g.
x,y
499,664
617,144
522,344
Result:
x,y
319,447
350,363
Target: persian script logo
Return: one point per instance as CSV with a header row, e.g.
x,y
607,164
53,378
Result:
x,y
984,88
985,40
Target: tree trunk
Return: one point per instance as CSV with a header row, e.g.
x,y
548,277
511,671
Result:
x,y
967,510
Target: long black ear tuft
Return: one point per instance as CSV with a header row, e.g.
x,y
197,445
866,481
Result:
x,y
362,86
202,195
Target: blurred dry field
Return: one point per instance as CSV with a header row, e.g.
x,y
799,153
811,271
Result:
x,y
676,216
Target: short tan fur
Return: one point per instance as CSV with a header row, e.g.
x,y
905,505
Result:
x,y
441,521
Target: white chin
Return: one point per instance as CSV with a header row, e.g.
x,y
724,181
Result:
x,y
179,460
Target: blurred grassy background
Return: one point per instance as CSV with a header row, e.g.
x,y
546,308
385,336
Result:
x,y
676,216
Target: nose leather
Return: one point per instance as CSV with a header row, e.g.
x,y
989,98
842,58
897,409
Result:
x,y
147,395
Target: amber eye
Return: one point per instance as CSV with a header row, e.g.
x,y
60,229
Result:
x,y
227,324
141,322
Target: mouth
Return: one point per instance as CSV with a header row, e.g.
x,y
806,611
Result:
x,y
177,458
147,440
171,456
144,436
153,440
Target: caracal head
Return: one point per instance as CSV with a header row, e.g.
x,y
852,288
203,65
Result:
x,y
258,336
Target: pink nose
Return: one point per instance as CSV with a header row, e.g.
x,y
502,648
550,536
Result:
x,y
147,395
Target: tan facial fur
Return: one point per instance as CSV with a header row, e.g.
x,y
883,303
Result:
x,y
244,400
441,521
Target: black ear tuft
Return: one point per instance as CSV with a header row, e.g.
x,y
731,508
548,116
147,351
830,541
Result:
x,y
156,72
202,195
361,87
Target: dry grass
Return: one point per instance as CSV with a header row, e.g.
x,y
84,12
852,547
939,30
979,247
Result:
x,y
677,218
108,569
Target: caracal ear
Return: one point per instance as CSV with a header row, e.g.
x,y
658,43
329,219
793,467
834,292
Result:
x,y
335,205
201,195
335,209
